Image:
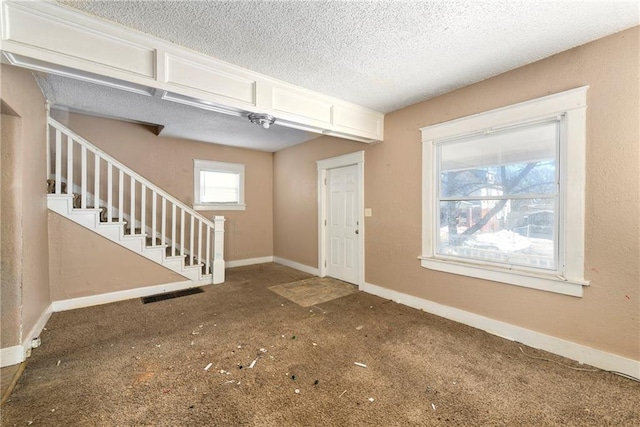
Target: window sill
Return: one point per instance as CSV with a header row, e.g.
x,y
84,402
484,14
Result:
x,y
220,207
525,279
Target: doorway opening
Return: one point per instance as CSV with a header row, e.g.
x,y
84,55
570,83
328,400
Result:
x,y
341,217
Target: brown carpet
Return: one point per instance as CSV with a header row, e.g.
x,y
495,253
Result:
x,y
134,364
313,291
9,377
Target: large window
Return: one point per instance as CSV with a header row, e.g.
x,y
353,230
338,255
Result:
x,y
218,185
504,194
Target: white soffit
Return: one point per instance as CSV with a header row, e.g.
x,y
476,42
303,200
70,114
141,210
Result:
x,y
383,55
179,121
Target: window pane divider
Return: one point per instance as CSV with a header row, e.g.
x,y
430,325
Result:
x,y
507,197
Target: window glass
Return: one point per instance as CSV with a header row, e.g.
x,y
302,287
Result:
x,y
219,187
497,196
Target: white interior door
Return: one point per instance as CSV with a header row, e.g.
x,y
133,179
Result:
x,y
343,232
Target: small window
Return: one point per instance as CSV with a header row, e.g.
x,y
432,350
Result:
x,y
503,194
218,185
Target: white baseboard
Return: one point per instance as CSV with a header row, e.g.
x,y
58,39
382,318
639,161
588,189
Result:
x,y
18,353
296,265
37,328
89,301
249,261
10,356
578,352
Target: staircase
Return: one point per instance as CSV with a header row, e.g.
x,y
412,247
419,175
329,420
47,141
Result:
x,y
135,214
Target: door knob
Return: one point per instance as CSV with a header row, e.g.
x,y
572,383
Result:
x,y
357,231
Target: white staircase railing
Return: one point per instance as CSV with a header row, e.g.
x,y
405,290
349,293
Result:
x,y
150,210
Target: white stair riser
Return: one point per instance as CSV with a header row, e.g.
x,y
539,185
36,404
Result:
x,y
154,254
90,218
110,231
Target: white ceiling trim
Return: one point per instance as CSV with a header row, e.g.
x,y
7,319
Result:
x,y
49,33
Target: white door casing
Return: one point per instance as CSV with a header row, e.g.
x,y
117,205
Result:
x,y
341,217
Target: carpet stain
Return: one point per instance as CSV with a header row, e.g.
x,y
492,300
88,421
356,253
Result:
x,y
144,377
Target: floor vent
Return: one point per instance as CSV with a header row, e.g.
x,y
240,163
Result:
x,y
171,295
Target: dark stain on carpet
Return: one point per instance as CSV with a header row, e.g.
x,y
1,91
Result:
x,y
171,295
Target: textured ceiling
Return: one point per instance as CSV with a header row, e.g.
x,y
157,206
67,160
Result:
x,y
384,55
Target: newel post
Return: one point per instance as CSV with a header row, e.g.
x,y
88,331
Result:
x,y
218,249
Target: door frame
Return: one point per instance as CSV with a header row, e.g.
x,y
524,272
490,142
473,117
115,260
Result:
x,y
356,158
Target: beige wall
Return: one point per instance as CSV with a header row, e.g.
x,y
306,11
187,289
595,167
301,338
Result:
x,y
83,263
21,93
168,163
607,317
10,232
295,197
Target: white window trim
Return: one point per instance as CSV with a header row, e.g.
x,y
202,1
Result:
x,y
572,105
209,165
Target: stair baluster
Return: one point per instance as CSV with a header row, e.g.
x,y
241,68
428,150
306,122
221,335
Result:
x,y
96,179
163,223
132,195
109,192
173,229
143,210
153,216
83,178
69,165
58,173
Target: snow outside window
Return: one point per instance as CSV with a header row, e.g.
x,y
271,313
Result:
x,y
218,185
503,194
